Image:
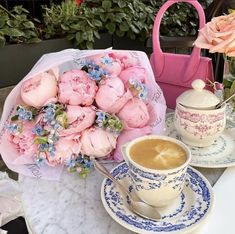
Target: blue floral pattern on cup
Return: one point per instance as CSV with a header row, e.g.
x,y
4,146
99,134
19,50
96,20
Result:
x,y
188,213
149,181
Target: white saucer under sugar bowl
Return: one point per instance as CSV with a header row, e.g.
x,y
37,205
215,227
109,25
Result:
x,y
196,119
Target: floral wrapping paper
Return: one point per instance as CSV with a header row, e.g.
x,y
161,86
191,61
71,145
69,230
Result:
x,y
61,64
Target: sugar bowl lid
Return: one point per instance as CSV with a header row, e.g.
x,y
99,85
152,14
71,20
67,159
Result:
x,y
198,97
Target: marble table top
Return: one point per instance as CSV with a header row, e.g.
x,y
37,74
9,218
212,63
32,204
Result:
x,y
73,205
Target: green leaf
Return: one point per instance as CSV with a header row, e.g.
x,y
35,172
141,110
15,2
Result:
x,y
124,26
79,37
106,5
232,88
28,24
134,29
96,34
89,45
34,40
9,23
64,27
2,23
70,37
120,33
96,22
40,140
15,118
13,32
121,3
111,27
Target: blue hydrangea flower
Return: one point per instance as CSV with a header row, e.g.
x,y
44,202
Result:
x,y
87,163
70,162
140,88
79,159
43,147
106,60
95,74
38,130
23,114
49,114
13,128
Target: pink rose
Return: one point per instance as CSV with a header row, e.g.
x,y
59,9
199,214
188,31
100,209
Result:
x,y
37,90
76,88
218,35
108,64
23,140
111,95
79,118
134,114
133,73
97,142
65,147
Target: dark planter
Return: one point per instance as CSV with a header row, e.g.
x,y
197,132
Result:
x,y
124,43
17,60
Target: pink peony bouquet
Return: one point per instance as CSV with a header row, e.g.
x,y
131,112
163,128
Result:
x,y
85,107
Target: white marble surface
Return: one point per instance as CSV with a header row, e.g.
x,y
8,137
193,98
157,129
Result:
x,y
73,205
70,206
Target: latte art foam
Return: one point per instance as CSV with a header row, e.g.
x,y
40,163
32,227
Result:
x,y
158,154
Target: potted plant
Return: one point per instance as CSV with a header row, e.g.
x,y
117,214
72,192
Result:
x,y
77,23
21,44
84,25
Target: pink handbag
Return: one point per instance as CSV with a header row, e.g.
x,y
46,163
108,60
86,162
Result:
x,y
174,73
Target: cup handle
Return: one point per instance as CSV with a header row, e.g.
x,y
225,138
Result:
x,y
123,150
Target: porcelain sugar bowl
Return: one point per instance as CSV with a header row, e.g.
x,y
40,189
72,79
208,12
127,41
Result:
x,y
197,119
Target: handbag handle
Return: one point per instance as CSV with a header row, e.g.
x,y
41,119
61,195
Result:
x,y
195,56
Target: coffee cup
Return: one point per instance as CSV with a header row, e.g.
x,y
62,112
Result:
x,y
157,168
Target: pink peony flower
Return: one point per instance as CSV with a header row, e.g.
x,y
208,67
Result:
x,y
76,88
134,114
23,141
133,73
218,35
37,90
112,67
124,58
97,142
111,95
65,147
79,118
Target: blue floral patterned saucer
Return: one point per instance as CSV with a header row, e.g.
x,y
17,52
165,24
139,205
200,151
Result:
x,y
220,154
182,216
